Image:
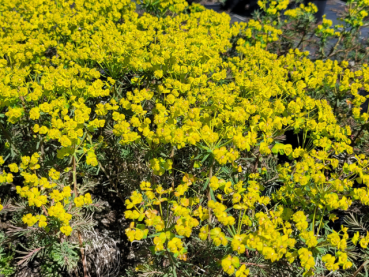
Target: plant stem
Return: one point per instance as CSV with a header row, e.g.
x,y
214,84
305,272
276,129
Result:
x,y
257,163
171,261
6,134
83,257
360,268
253,264
85,274
209,196
314,219
358,134
332,52
74,175
320,223
111,182
240,221
171,157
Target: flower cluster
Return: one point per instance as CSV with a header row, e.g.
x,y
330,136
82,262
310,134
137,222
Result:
x,y
301,10
171,87
273,7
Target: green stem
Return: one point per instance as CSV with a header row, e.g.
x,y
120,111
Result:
x,y
208,194
6,134
230,231
83,257
320,223
240,221
314,219
111,182
75,175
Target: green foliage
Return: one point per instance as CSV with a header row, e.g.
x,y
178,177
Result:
x,y
6,256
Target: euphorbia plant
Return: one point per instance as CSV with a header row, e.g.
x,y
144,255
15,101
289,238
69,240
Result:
x,y
183,116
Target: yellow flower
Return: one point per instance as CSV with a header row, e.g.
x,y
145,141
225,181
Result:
x,y
29,219
87,199
242,271
79,201
67,230
306,258
365,241
214,184
34,113
13,167
229,264
54,174
356,237
91,158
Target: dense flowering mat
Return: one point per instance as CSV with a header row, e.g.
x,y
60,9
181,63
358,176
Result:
x,y
204,107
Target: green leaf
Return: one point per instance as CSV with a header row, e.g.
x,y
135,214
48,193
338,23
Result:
x,y
205,185
197,164
234,230
154,235
152,249
212,195
142,216
249,248
231,232
227,142
206,156
141,226
174,271
6,157
225,170
98,170
276,148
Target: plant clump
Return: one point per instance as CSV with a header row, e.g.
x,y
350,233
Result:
x,y
184,116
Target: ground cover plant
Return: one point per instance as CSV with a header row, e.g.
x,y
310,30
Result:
x,y
182,118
